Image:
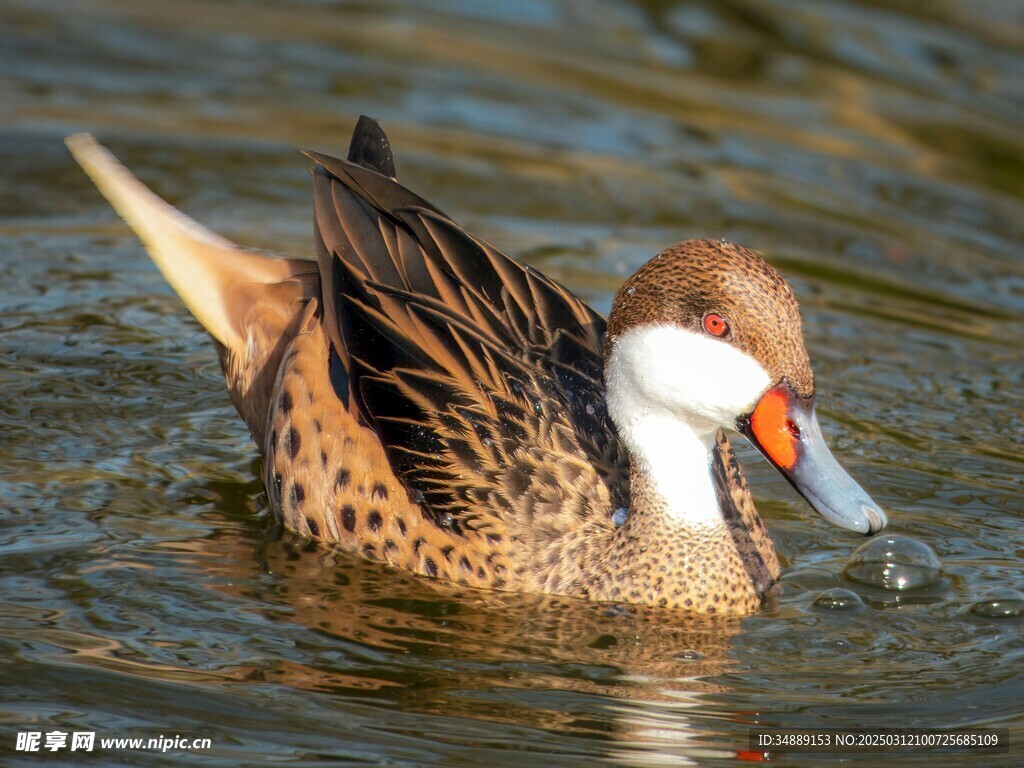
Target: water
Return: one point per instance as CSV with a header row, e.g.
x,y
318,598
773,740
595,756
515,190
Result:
x,y
872,151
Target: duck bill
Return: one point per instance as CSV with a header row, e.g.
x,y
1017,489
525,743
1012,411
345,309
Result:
x,y
784,428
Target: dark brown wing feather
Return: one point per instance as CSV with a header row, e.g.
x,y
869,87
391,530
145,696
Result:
x,y
481,376
370,147
745,526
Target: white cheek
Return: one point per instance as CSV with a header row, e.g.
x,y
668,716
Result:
x,y
702,381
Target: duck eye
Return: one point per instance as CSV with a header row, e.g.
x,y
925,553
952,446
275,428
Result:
x,y
715,325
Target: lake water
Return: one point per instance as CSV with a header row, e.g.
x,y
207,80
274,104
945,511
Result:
x,y
872,151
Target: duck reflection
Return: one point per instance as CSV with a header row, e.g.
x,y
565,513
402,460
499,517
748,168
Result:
x,y
641,678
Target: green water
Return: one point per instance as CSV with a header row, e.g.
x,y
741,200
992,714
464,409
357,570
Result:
x,y
873,151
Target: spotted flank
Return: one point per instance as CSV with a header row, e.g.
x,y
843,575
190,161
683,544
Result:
x,y
425,401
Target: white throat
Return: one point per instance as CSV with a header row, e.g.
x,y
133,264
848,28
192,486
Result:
x,y
678,463
669,390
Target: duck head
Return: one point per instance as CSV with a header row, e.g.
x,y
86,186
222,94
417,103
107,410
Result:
x,y
705,336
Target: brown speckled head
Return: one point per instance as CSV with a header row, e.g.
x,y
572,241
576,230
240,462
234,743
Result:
x,y
686,282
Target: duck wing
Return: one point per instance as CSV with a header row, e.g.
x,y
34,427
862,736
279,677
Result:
x,y
482,377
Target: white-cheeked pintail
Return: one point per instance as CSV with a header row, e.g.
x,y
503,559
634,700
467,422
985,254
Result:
x,y
423,399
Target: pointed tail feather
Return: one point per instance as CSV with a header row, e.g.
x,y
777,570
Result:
x,y
251,304
205,269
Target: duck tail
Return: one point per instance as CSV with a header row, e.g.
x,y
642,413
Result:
x,y
247,301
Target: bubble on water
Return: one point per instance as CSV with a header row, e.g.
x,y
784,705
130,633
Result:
x,y
839,599
896,563
689,655
1000,603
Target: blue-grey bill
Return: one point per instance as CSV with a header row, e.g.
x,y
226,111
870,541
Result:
x,y
810,466
828,488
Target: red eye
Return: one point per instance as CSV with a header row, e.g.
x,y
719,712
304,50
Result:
x,y
715,324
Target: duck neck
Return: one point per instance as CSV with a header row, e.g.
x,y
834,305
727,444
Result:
x,y
671,472
675,548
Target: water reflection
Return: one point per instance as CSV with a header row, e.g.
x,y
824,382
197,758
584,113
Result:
x,y
425,636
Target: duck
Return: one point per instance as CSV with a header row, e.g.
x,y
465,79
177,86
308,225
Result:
x,y
426,401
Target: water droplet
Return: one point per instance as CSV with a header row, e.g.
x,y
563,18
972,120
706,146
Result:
x,y
689,655
447,519
1000,603
487,442
839,599
620,516
896,563
630,290
590,409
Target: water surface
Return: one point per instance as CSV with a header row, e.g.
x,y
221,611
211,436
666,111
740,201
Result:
x,y
872,151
